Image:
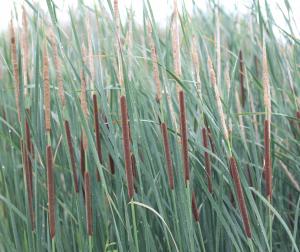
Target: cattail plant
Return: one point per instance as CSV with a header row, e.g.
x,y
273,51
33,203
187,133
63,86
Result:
x,y
28,180
195,210
242,78
110,159
88,204
218,97
82,157
46,90
240,196
51,192
154,62
184,137
25,58
28,150
267,124
57,66
14,60
72,155
167,154
126,146
207,160
97,133
268,164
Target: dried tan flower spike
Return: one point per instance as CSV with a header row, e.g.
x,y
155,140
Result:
x,y
57,66
176,44
15,66
91,56
154,62
46,89
196,64
84,107
218,97
25,57
266,84
118,42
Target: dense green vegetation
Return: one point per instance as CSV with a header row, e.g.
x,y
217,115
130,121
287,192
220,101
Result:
x,y
66,87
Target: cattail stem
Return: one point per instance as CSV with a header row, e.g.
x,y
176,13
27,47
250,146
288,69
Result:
x,y
72,155
195,209
207,160
88,203
168,154
240,196
51,192
97,132
184,137
268,164
126,146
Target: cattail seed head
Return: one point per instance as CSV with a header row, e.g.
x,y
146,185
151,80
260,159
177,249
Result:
x,y
51,192
28,180
207,160
268,161
168,154
184,136
126,146
46,89
88,204
97,133
72,155
82,158
195,210
240,196
242,78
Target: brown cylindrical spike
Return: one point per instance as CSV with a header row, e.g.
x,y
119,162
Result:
x,y
168,154
184,137
207,160
240,196
51,192
126,146
72,155
88,203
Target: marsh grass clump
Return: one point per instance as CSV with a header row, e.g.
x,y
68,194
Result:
x,y
115,133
